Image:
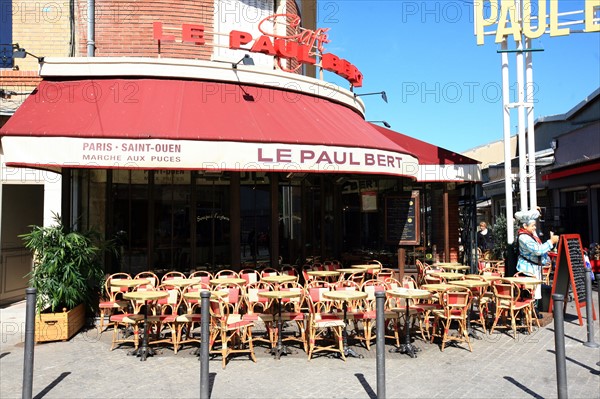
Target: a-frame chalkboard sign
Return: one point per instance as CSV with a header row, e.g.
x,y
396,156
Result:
x,y
570,270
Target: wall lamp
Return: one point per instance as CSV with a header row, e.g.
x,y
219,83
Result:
x,y
384,123
383,95
246,60
20,52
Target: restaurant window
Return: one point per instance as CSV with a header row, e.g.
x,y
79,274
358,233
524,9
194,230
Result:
x,y
213,223
290,220
130,206
255,216
171,220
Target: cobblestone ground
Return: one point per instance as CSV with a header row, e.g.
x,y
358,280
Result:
x,y
498,367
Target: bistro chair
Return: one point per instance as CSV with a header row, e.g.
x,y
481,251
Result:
x,y
128,321
421,271
484,297
269,271
289,270
229,332
250,275
369,313
165,314
306,277
190,317
204,276
294,310
112,300
456,303
171,276
224,273
509,305
422,308
259,309
385,273
322,324
153,278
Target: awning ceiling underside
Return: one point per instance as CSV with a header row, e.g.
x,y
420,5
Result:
x,y
152,123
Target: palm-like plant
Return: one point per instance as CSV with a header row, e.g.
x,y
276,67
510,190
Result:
x,y
67,267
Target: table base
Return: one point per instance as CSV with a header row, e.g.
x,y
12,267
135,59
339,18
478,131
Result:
x,y
349,352
410,349
281,351
142,352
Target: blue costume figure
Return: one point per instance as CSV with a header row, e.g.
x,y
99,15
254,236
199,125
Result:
x,y
533,254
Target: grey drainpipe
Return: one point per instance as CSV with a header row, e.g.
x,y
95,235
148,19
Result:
x,y
91,31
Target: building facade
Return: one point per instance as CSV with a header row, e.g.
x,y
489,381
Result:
x,y
171,145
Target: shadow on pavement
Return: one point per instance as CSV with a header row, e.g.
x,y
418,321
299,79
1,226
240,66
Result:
x,y
366,386
523,387
54,383
4,354
568,336
592,370
211,382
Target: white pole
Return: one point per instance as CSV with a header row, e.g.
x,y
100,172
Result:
x,y
521,118
530,128
510,234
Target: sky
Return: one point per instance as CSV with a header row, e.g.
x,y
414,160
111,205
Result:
x,y
441,86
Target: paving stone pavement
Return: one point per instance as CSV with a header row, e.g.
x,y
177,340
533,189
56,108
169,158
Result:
x,y
498,367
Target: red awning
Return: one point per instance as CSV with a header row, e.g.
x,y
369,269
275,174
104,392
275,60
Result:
x,y
572,170
436,164
189,124
189,110
427,153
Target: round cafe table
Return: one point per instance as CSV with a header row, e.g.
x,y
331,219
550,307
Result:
x,y
279,279
487,277
182,282
227,280
348,270
279,295
323,273
145,296
407,347
455,267
345,296
369,267
129,283
472,285
448,275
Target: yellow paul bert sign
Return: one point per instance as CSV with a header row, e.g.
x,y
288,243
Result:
x,y
505,16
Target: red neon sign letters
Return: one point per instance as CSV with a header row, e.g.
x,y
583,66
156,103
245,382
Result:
x,y
303,45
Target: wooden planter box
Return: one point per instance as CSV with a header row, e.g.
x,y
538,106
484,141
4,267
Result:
x,y
59,326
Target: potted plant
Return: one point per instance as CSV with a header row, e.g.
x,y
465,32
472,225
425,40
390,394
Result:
x,y
67,274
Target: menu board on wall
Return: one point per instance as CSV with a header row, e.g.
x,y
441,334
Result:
x,y
402,219
570,271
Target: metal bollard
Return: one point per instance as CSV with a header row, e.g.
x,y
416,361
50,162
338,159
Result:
x,y
30,294
380,343
559,346
204,344
589,311
598,281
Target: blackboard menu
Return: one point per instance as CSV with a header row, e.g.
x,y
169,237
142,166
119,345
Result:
x,y
402,215
578,267
570,271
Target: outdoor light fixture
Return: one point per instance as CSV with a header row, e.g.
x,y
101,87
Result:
x,y
246,60
20,52
384,123
383,95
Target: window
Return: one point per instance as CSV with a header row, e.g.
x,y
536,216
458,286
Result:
x,y
6,50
